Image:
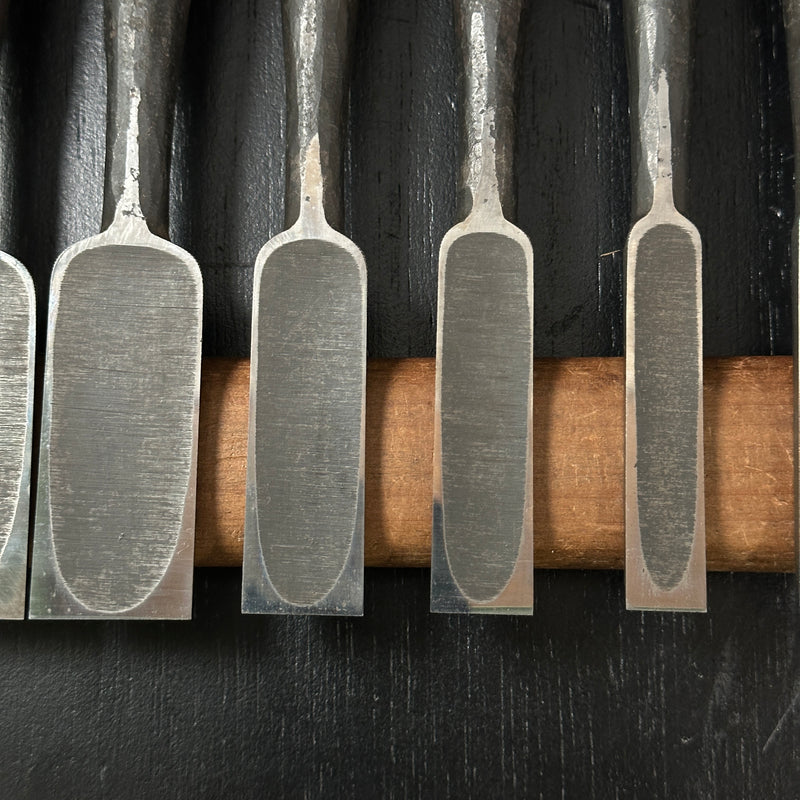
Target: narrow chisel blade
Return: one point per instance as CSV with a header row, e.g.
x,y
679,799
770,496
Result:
x,y
305,509
304,518
482,542
482,558
665,564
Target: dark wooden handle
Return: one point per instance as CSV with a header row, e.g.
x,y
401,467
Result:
x,y
578,463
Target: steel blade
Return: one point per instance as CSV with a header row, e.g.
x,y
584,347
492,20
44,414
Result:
x,y
665,509
17,348
665,565
304,519
482,559
305,509
482,540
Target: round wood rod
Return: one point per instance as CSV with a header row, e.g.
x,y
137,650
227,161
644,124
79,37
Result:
x,y
578,463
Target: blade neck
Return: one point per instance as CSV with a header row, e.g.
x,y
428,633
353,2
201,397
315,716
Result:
x,y
316,39
658,34
487,32
144,41
662,187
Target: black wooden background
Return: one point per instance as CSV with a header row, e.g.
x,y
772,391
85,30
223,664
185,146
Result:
x,y
584,699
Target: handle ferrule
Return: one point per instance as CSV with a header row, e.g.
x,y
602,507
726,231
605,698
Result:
x,y
144,42
658,35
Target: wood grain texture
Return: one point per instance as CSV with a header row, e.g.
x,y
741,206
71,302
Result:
x,y
578,463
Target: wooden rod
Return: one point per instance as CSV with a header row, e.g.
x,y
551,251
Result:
x,y
578,463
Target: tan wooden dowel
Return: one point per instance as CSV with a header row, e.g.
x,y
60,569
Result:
x,y
578,475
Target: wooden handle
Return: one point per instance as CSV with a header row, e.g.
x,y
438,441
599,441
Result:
x,y
578,463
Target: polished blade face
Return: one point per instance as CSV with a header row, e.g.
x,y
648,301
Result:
x,y
482,521
16,400
304,527
119,435
665,483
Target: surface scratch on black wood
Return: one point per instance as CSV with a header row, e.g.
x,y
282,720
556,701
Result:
x,y
585,699
591,700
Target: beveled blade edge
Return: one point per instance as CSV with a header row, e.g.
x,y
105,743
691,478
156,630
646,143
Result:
x,y
50,597
346,596
516,597
259,596
641,592
14,555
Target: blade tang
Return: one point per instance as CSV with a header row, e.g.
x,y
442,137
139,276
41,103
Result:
x,y
144,42
487,32
659,53
316,40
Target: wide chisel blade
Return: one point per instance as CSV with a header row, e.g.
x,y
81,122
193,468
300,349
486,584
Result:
x,y
482,551
664,509
304,522
114,533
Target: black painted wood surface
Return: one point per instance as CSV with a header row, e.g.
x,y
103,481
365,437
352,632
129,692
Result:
x,y
585,699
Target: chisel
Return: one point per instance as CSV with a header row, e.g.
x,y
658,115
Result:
x,y
114,531
482,548
304,518
665,566
17,348
791,17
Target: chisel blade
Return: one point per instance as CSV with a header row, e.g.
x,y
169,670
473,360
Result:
x,y
304,518
114,531
305,488
482,557
665,563
482,542
665,542
17,348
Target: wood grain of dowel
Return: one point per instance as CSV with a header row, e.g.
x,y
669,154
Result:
x,y
578,463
